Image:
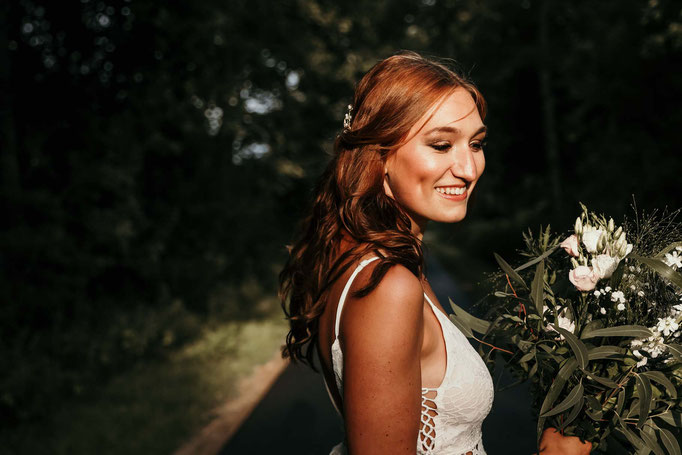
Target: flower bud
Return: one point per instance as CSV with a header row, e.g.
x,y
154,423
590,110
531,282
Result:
x,y
578,228
618,232
601,243
611,225
574,263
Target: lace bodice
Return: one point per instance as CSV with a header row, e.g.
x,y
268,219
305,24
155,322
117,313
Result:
x,y
453,412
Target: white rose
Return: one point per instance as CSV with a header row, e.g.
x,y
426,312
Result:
x,y
604,265
590,239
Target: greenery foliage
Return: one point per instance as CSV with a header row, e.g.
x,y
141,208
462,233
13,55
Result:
x,y
608,370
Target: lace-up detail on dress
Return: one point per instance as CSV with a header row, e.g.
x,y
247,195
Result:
x,y
452,413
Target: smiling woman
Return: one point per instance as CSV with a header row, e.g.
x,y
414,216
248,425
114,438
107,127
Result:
x,y
401,374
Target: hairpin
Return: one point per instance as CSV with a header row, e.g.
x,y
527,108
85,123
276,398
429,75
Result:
x,y
347,118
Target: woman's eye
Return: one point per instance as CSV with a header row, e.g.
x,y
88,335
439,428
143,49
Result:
x,y
441,146
478,145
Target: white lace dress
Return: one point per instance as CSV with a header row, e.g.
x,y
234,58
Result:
x,y
453,412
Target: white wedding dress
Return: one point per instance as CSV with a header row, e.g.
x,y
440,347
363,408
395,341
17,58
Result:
x,y
453,412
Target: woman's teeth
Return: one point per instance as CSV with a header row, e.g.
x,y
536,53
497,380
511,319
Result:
x,y
451,190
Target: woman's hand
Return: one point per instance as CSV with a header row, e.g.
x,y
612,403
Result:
x,y
554,443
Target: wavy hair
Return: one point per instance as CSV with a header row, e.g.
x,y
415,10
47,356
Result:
x,y
349,198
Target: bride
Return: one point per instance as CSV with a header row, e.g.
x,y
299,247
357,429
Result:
x,y
404,378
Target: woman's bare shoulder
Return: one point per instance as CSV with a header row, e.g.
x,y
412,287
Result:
x,y
394,306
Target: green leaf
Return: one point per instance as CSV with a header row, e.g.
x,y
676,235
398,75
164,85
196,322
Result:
x,y
637,331
606,352
526,357
668,248
537,259
676,351
620,402
571,399
645,397
663,269
537,286
474,323
632,437
578,346
594,409
649,438
574,412
462,328
611,384
553,393
661,378
671,417
510,271
669,441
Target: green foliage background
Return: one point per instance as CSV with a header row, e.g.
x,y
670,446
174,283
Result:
x,y
156,155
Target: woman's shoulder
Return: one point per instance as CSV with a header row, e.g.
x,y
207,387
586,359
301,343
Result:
x,y
395,303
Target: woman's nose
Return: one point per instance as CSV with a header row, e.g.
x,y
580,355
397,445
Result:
x,y
464,164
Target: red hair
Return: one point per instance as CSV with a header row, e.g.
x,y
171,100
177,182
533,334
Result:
x,y
349,198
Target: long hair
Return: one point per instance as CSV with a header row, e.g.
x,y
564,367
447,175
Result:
x,y
349,198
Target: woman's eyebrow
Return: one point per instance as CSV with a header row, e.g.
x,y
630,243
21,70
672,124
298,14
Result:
x,y
452,129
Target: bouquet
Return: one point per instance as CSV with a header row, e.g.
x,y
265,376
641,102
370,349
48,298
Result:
x,y
593,319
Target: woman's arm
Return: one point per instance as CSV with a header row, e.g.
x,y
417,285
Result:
x,y
381,341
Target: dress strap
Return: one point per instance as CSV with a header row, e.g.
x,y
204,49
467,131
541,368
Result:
x,y
342,300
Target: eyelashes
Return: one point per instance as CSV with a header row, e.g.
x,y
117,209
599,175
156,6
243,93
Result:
x,y
446,146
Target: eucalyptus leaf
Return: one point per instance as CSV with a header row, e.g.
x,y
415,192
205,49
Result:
x,y
461,326
645,398
553,393
537,287
669,441
510,271
672,418
661,378
474,323
571,399
537,259
676,351
579,348
610,383
632,437
637,331
574,412
649,438
663,269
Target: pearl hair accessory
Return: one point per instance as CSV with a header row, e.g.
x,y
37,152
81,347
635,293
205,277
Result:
x,y
347,118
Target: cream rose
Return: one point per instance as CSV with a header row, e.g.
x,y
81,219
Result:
x,y
583,278
590,239
570,245
604,265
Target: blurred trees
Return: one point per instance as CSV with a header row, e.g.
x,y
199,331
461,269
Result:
x,y
156,156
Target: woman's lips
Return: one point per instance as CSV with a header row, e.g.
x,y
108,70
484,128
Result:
x,y
452,193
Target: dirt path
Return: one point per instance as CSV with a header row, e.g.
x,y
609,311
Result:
x,y
230,416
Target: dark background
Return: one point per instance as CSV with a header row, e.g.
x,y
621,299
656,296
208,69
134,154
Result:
x,y
155,156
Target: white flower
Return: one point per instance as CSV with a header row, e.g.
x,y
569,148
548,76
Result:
x,y
564,323
602,310
642,362
604,265
618,296
673,259
640,293
667,326
597,293
607,289
620,307
591,238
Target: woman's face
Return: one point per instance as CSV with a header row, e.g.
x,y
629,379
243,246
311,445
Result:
x,y
432,176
